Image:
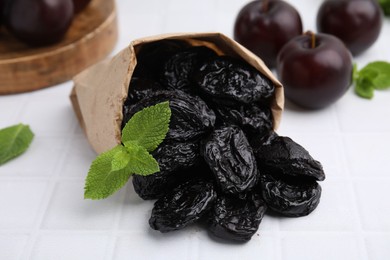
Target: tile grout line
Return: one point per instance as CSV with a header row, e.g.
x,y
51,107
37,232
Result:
x,y
358,229
113,234
52,184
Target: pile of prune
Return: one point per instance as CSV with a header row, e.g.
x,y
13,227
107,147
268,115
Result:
x,y
221,162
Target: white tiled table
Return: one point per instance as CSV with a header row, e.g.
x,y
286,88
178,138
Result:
x,y
43,214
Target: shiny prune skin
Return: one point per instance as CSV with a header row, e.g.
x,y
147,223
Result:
x,y
236,219
190,119
151,57
252,119
232,79
183,206
178,70
174,159
38,22
283,154
140,88
231,159
288,195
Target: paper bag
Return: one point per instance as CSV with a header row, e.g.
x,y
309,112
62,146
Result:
x,y
100,91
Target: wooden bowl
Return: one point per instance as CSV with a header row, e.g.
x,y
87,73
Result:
x,y
91,37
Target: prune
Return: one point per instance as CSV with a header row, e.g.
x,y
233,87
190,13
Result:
x,y
152,56
231,159
179,68
288,195
282,153
140,88
173,159
232,79
236,219
191,117
184,205
253,119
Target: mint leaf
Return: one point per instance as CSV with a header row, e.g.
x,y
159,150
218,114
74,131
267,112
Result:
x,y
148,127
375,75
14,140
102,181
120,160
111,170
385,4
141,162
364,89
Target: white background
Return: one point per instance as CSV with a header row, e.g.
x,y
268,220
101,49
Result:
x,y
43,214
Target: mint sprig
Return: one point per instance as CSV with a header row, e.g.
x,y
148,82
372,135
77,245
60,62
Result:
x,y
385,4
111,170
374,76
14,141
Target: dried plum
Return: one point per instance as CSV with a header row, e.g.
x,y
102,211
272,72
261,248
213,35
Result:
x,y
253,119
231,159
282,153
178,70
152,56
289,195
236,219
182,206
140,88
232,79
191,117
173,159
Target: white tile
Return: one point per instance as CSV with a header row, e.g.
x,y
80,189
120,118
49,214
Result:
x,y
368,154
378,246
325,148
49,116
20,202
190,22
373,204
8,111
334,213
12,245
191,6
295,119
78,159
136,212
40,159
169,246
308,246
70,247
261,246
358,115
69,210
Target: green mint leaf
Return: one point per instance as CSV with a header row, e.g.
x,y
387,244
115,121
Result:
x,y
141,162
148,127
14,140
120,160
102,181
375,75
364,88
385,4
379,74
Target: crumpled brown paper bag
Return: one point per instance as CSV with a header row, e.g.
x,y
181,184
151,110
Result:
x,y
100,91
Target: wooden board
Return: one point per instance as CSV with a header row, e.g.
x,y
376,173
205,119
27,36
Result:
x,y
91,37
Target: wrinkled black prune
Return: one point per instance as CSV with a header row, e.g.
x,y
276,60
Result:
x,y
178,70
182,206
152,56
231,159
140,88
253,119
190,118
236,219
289,195
173,159
232,79
282,153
